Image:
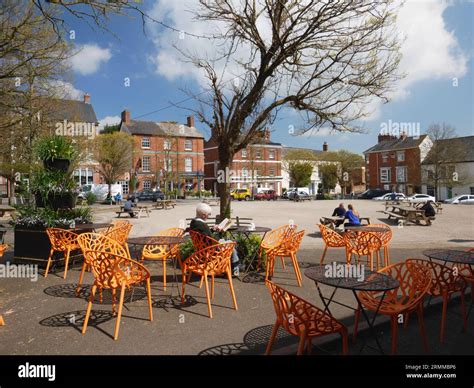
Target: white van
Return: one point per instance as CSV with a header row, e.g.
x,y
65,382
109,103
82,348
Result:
x,y
100,190
304,189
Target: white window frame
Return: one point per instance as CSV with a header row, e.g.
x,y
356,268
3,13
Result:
x,y
168,165
387,172
258,154
271,154
244,154
188,167
147,184
125,186
167,144
385,157
400,156
403,179
188,144
148,167
146,140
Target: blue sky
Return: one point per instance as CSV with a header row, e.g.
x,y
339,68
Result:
x,y
439,49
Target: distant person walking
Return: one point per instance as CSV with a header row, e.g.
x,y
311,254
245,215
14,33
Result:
x,y
353,216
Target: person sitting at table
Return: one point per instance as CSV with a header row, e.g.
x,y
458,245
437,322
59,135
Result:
x,y
429,209
198,224
127,207
340,211
353,216
118,199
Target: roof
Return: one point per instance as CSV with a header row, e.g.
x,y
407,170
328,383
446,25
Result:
x,y
455,150
71,110
291,149
151,128
397,144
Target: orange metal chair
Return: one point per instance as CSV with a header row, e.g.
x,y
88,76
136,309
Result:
x,y
97,242
64,241
115,272
331,239
444,283
415,281
163,252
385,238
3,248
201,241
273,239
210,261
287,248
300,318
362,244
119,232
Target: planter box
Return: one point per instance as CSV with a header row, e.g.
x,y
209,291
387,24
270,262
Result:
x,y
58,201
57,164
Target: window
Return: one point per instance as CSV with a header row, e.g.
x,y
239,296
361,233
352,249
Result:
x,y
384,158
271,154
400,156
245,172
244,154
401,174
168,165
385,175
167,144
188,145
271,171
83,176
367,159
472,190
147,185
188,165
430,190
146,164
258,154
125,187
145,142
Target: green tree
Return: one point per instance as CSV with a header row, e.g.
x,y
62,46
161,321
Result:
x,y
329,175
300,172
346,163
110,128
113,152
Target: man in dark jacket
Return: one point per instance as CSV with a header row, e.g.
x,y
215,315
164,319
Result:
x,y
340,211
429,209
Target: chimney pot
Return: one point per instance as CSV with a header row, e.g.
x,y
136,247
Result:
x,y
190,121
266,135
325,146
126,116
87,98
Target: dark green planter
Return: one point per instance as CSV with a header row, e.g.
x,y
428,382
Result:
x,y
56,164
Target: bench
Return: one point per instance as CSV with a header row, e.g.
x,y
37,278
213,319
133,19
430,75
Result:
x,y
120,212
164,204
136,212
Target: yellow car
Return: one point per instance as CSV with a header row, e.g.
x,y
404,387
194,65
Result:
x,y
241,194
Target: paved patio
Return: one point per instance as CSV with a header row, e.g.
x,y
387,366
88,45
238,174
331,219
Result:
x,y
45,317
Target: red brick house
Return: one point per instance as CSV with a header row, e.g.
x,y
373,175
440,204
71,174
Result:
x,y
256,167
166,155
394,163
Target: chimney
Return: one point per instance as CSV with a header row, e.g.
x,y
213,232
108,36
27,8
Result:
x,y
126,116
325,146
87,98
382,138
266,135
403,136
190,121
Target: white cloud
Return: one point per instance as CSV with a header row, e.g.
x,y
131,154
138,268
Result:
x,y
89,59
108,120
66,90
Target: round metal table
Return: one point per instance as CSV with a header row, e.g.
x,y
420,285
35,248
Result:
x,y
450,256
366,280
93,226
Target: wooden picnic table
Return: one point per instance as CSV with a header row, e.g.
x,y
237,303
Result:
x,y
408,214
333,219
164,204
137,210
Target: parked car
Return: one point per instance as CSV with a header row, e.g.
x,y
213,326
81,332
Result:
x,y
147,195
294,195
266,194
421,198
388,197
241,194
461,199
372,193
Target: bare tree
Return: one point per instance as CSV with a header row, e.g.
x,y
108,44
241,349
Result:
x,y
326,60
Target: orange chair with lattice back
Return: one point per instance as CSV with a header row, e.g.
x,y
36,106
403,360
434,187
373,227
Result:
x,y
273,240
201,241
467,272
3,248
362,244
385,237
415,281
64,241
96,242
288,248
444,283
119,232
331,239
210,261
163,252
115,272
302,319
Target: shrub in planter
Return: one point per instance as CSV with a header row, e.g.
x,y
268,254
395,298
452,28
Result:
x,y
91,198
52,147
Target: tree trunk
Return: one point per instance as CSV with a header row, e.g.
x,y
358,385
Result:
x,y
225,158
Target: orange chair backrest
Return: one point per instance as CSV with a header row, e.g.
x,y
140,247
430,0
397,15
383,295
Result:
x,y
201,241
99,242
293,242
113,271
361,243
120,232
385,236
276,236
214,259
3,248
157,249
61,239
330,237
293,312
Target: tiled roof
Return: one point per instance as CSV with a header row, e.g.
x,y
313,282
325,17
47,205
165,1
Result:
x,y
397,144
151,128
457,150
71,110
291,149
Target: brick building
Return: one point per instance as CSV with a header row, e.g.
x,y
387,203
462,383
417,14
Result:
x,y
394,163
256,167
166,155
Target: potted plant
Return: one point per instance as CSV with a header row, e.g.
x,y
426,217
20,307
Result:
x,y
55,151
54,188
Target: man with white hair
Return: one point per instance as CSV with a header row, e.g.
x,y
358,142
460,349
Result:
x,y
198,224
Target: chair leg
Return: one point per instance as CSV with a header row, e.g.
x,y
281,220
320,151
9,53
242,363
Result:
x,y
148,291
356,325
394,325
310,346
443,317
114,300
184,279
345,342
212,287
297,268
463,310
231,285
272,338
422,327
119,314
89,307
283,263
66,263
301,344
209,308
324,255
81,278
164,275
201,282
50,259
386,256
2,322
